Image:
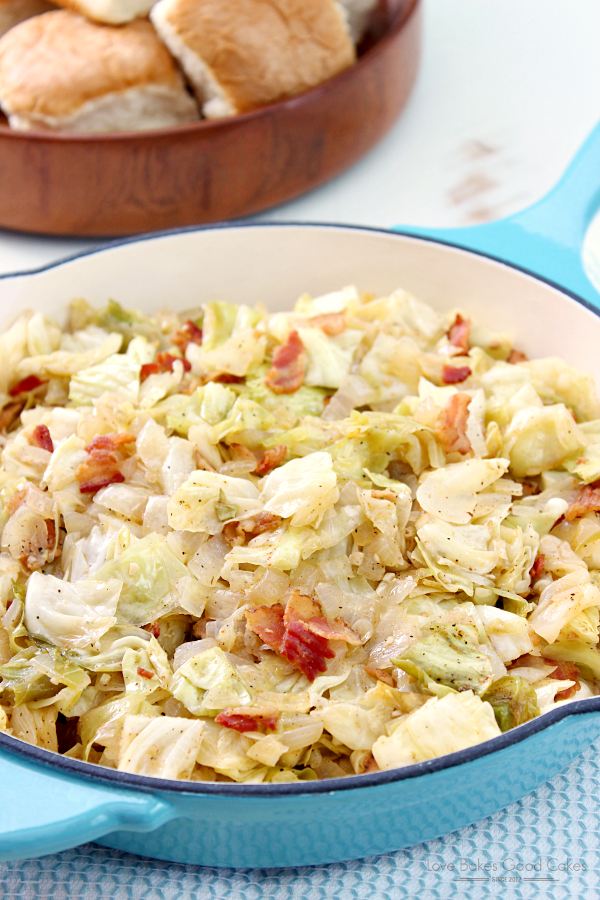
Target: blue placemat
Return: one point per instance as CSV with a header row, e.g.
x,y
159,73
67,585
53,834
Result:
x,y
546,845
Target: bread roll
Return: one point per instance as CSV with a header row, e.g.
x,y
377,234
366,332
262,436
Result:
x,y
14,11
358,13
61,72
111,12
242,54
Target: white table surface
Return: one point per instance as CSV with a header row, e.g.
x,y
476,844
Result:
x,y
507,92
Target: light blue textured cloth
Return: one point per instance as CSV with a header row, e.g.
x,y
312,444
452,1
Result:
x,y
555,830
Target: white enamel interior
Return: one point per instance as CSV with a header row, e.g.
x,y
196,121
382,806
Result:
x,y
275,264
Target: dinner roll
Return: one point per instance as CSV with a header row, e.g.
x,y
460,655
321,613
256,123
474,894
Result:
x,y
111,12
358,13
61,72
241,54
14,11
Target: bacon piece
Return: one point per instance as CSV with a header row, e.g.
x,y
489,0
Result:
x,y
144,673
588,501
189,333
455,374
337,630
110,441
300,607
458,335
102,466
240,453
40,437
153,628
10,412
451,425
289,361
95,484
380,675
565,671
164,363
300,633
25,385
228,378
236,532
149,369
247,718
538,567
305,650
51,529
331,323
271,459
267,623
515,356
17,500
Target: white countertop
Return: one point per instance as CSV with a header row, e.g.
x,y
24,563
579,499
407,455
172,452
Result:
x,y
506,94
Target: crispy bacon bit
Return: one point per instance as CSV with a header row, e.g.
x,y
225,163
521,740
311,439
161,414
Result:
x,y
331,323
236,532
380,675
228,378
300,607
538,567
96,484
515,356
102,466
164,363
40,437
144,673
271,459
25,385
455,374
301,633
51,529
110,441
451,425
306,650
149,369
239,453
189,333
565,671
248,719
153,628
289,361
17,500
333,631
458,335
10,412
267,623
588,501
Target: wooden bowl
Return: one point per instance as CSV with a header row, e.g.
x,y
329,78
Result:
x,y
129,182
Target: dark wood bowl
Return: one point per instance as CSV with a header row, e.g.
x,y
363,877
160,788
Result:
x,y
129,182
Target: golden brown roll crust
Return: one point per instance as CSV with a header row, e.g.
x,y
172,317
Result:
x,y
52,64
14,11
258,51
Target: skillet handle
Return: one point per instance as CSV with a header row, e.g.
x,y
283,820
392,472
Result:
x,y
45,812
546,238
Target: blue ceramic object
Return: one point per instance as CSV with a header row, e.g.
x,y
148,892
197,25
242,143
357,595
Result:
x,y
50,803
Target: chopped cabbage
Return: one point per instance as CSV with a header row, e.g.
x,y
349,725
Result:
x,y
70,615
442,725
